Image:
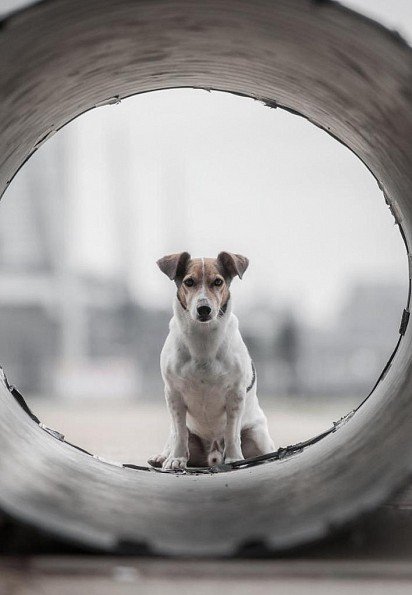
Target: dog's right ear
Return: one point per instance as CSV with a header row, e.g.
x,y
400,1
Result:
x,y
174,265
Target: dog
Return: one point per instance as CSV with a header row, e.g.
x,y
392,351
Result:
x,y
209,377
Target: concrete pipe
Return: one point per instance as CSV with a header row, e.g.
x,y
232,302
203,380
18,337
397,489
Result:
x,y
344,73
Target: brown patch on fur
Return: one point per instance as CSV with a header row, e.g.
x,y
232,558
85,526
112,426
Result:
x,y
204,273
174,265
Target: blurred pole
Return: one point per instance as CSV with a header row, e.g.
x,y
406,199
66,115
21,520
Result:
x,y
70,290
122,180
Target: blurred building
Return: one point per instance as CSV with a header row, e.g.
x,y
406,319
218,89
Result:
x,y
348,357
56,322
67,332
272,335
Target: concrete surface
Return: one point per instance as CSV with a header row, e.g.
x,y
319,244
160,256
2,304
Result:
x,y
108,576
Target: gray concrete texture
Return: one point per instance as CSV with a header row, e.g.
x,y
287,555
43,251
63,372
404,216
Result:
x,y
342,72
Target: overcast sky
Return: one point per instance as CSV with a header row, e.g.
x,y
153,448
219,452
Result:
x,y
204,172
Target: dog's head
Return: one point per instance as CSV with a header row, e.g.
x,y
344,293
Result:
x,y
203,283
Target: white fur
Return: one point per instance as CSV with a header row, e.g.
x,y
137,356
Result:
x,y
206,369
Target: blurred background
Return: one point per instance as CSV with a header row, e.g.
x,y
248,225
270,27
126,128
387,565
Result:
x,y
84,310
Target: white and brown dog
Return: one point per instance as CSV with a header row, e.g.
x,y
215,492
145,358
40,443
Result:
x,y
210,380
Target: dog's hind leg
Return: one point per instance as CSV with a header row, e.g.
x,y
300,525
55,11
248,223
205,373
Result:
x,y
255,440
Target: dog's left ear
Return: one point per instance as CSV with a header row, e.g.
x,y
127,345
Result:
x,y
232,264
174,265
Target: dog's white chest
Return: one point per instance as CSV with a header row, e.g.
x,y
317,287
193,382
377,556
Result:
x,y
206,370
204,386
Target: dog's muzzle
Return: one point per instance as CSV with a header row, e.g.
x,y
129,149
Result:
x,y
203,312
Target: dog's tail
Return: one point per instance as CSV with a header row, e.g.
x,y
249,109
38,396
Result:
x,y
215,456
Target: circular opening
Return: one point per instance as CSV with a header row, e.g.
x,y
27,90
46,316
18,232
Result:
x,y
317,59
86,219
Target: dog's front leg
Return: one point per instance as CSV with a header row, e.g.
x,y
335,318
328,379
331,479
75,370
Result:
x,y
179,449
235,405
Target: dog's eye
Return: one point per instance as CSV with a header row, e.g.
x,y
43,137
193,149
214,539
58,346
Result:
x,y
189,282
218,282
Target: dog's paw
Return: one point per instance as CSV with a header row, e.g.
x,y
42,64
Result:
x,y
157,460
172,462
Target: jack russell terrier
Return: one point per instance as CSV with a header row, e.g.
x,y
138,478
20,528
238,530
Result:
x,y
210,380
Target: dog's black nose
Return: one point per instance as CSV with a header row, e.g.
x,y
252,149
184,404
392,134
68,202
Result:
x,y
203,312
